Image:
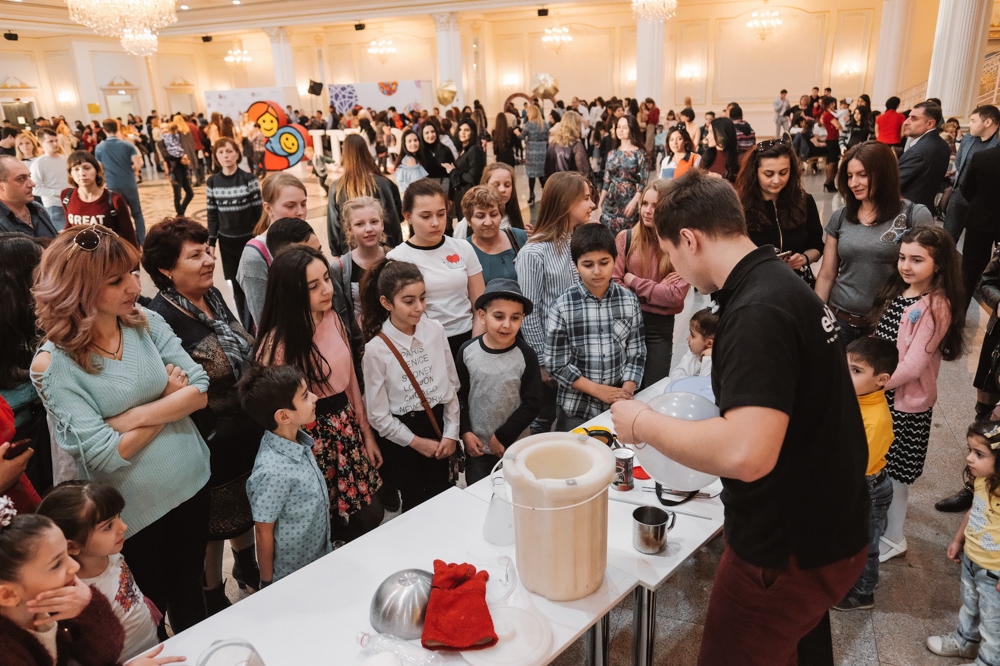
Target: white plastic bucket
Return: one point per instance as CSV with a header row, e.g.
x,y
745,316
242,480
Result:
x,y
559,492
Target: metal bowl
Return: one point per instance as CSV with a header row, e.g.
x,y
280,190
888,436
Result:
x,y
400,602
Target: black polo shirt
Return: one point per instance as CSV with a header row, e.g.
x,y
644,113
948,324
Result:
x,y
777,347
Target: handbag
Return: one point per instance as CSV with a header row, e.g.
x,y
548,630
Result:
x,y
456,462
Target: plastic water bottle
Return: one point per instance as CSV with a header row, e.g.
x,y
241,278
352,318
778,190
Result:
x,y
412,655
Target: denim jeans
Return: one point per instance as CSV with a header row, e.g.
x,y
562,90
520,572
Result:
x,y
131,195
880,492
479,467
58,217
979,619
565,422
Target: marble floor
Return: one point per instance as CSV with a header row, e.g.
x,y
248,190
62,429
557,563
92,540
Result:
x,y
918,594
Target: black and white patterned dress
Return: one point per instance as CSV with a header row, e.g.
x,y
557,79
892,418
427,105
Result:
x,y
905,459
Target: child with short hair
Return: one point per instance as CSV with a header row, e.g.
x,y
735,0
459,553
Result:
x,y
871,362
697,362
89,515
500,379
287,492
416,444
47,614
974,547
594,345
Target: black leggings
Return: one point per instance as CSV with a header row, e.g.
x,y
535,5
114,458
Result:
x,y
167,558
179,180
531,185
418,477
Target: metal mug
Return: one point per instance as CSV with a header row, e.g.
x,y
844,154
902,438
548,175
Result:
x,y
624,462
650,525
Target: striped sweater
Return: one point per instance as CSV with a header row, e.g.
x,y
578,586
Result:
x,y
233,204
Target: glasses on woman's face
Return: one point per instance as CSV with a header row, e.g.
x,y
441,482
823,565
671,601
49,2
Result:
x,y
771,143
89,238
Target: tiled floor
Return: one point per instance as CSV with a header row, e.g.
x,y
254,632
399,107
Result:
x,y
918,594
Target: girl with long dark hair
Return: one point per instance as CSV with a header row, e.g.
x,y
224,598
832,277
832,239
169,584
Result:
x,y
504,140
300,327
625,176
469,165
722,156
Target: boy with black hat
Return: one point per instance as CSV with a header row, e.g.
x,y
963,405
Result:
x,y
500,380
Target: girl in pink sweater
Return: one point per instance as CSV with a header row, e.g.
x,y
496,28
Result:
x,y
921,311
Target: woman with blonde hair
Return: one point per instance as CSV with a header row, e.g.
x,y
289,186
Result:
x,y
536,144
566,151
177,161
187,141
67,141
361,178
644,269
26,147
545,268
119,390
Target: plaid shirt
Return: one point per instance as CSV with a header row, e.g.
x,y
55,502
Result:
x,y
600,339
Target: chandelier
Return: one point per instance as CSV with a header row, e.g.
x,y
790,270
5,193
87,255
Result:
x,y
763,23
140,43
654,10
556,37
238,56
135,22
381,49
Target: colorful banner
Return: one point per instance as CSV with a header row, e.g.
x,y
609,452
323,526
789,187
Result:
x,y
286,142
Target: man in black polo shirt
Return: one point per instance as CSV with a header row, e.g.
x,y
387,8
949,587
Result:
x,y
18,209
789,445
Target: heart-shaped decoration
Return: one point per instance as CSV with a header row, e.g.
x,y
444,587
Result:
x,y
453,258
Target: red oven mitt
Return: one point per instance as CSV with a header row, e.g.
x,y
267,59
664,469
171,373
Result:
x,y
457,617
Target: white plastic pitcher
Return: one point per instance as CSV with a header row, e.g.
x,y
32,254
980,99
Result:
x,y
559,490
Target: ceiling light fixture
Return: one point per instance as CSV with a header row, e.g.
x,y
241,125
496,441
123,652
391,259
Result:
x,y
764,23
654,10
381,49
556,37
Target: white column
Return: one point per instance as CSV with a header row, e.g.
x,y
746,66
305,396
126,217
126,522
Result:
x,y
893,40
281,54
956,61
649,60
449,54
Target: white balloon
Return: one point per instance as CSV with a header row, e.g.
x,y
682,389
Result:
x,y
671,474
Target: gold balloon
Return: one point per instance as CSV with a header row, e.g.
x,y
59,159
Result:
x,y
546,86
446,92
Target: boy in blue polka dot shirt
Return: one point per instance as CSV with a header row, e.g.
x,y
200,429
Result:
x,y
287,492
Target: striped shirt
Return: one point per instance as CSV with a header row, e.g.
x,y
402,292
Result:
x,y
544,271
601,339
233,204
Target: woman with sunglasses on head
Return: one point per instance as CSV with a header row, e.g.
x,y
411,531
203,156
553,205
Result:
x,y
119,390
778,211
863,236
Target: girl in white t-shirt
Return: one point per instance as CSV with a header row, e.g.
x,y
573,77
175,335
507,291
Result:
x,y
89,515
452,273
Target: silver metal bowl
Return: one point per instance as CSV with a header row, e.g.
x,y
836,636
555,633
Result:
x,y
400,602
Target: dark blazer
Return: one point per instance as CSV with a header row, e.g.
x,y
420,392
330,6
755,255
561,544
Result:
x,y
922,169
981,188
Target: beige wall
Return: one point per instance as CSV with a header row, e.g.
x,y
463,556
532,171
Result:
x,y
709,55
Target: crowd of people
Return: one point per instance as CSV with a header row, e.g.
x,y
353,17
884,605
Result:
x,y
442,325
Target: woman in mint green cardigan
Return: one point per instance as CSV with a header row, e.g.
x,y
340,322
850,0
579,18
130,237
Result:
x,y
119,389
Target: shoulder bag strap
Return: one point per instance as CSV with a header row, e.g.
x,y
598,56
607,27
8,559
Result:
x,y
413,381
513,240
111,203
628,243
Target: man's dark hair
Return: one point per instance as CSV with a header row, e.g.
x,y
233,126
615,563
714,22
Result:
x,y
264,389
592,238
988,112
110,126
700,202
735,112
286,231
710,113
8,132
879,353
43,132
828,90
932,111
933,100
688,114
892,103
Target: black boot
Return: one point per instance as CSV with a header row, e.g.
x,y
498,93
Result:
x,y
216,600
245,571
957,503
983,411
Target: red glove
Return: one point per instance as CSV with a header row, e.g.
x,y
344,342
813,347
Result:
x,y
457,617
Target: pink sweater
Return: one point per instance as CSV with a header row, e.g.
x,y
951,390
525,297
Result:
x,y
920,334
654,295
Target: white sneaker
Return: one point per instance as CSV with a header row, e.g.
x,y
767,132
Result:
x,y
947,646
890,549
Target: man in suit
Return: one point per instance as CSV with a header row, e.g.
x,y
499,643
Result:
x,y
982,222
924,163
983,124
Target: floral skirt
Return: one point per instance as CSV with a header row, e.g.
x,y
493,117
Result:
x,y
339,449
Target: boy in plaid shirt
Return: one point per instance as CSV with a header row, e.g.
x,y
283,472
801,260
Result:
x,y
594,345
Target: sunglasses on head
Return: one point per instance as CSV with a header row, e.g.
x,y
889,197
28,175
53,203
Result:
x,y
771,143
89,238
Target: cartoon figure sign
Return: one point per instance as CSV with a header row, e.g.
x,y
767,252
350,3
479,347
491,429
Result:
x,y
286,142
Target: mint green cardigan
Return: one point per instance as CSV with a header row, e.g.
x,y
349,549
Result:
x,y
167,471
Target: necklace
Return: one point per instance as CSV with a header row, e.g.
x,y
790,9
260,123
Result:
x,y
113,354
